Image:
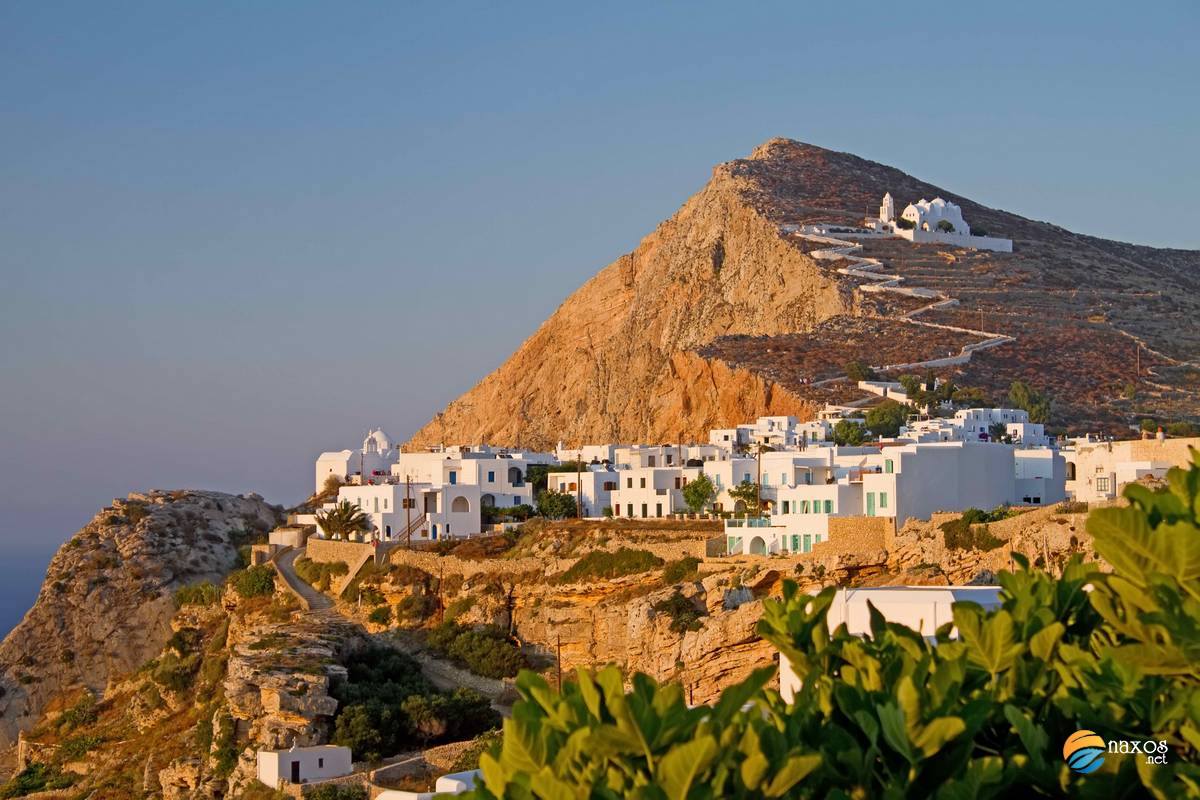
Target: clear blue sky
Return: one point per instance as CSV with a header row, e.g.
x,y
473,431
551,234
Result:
x,y
234,235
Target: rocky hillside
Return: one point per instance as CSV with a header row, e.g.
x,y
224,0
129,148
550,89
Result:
x,y
106,604
720,315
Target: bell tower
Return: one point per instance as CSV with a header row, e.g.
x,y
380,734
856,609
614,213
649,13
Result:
x,y
887,209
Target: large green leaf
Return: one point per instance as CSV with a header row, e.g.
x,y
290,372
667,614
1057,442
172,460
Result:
x,y
678,770
794,770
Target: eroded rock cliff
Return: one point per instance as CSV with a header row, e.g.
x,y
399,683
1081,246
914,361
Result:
x,y
106,604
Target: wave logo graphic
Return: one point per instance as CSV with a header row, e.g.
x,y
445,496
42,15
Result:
x,y
1084,751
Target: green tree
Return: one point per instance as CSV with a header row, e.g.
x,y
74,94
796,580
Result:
x,y
886,418
997,432
747,493
945,226
699,493
1025,397
847,433
556,505
343,520
858,370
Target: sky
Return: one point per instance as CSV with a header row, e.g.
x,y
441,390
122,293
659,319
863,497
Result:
x,y
233,235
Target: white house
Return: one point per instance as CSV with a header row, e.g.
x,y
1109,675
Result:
x,y
374,458
593,486
922,608
1099,470
303,764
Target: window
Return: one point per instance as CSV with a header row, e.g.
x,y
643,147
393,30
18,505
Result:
x,y
658,509
642,482
610,485
644,514
745,477
783,479
888,466
320,763
1102,484
407,502
785,507
385,504
629,509
883,499
795,542
572,487
453,477
650,463
808,542
629,483
828,506
803,506
491,476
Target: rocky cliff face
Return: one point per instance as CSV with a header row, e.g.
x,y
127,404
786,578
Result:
x,y
614,362
654,348
106,604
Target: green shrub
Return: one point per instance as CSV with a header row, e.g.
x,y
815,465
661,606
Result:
x,y
198,594
459,607
601,564
254,581
319,574
682,611
80,715
380,685
334,791
680,570
76,747
1071,507
35,778
859,370
969,532
416,607
485,651
381,615
898,714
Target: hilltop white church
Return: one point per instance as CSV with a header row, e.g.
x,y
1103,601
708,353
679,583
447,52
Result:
x,y
935,220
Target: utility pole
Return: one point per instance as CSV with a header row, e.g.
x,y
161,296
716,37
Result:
x,y
579,483
758,486
558,663
1138,374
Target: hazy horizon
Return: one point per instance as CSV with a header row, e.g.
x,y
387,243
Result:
x,y
236,237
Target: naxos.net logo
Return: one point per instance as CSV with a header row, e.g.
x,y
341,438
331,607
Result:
x,y
1084,751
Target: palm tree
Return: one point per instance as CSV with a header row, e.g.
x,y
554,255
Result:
x,y
343,519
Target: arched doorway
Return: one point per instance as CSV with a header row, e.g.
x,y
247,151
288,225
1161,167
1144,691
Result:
x,y
487,501
1070,470
739,507
515,478
460,505
758,547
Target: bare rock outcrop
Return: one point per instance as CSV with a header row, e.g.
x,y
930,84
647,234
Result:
x,y
106,604
613,363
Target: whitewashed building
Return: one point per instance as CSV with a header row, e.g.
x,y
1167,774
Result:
x,y
374,459
303,765
937,220
1097,471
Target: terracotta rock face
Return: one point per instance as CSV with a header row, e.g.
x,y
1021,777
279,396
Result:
x,y
613,363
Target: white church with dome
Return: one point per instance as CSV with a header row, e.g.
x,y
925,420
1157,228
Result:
x,y
937,220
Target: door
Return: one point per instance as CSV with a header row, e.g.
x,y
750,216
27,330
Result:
x,y
870,504
295,777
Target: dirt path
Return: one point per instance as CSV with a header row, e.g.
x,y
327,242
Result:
x,y
285,565
870,269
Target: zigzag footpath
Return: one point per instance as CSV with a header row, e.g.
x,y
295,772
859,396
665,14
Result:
x,y
869,269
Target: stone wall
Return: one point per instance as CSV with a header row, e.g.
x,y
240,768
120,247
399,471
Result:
x,y
859,535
